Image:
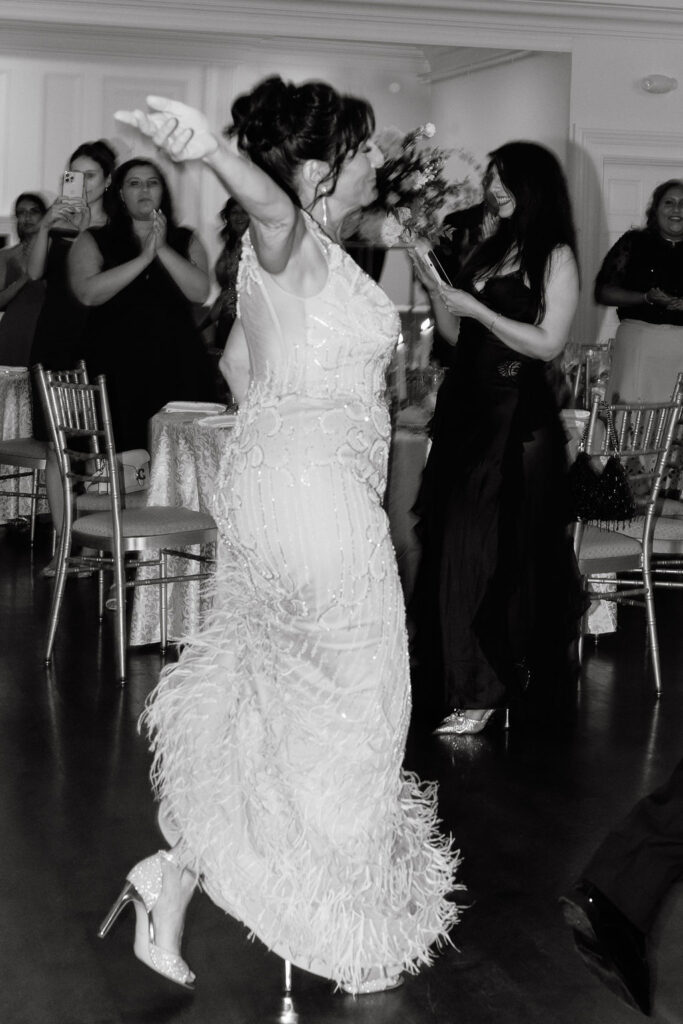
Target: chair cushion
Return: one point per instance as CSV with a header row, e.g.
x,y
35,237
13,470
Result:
x,y
666,528
101,502
672,507
597,544
23,451
154,521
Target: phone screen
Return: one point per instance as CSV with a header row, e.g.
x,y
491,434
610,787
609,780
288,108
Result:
x,y
72,184
431,261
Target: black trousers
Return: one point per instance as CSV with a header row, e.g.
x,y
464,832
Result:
x,y
642,857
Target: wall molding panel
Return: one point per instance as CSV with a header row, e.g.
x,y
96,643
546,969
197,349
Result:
x,y
373,20
63,121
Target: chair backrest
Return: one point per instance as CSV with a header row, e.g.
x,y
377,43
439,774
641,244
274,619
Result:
x,y
77,375
641,436
81,430
677,445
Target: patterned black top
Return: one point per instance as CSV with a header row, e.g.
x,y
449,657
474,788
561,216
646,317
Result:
x,y
641,259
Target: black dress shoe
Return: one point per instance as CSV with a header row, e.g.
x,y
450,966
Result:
x,y
611,946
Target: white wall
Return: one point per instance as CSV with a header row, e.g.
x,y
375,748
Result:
x,y
523,99
606,90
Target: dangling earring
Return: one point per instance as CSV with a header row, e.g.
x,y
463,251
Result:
x,y
324,209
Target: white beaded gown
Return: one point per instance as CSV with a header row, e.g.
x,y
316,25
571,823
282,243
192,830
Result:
x,y
279,735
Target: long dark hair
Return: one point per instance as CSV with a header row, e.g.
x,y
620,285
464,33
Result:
x,y
657,196
120,221
542,219
280,125
100,151
235,222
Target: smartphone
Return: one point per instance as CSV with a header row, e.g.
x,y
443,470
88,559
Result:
x,y
430,261
72,184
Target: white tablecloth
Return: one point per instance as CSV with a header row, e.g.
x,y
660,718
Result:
x,y
185,455
15,421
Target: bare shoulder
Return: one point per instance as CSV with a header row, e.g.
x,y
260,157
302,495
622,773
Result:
x,y
561,263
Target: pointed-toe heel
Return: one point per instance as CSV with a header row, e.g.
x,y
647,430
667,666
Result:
x,y
458,723
142,888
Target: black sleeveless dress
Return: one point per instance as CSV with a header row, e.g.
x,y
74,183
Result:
x,y
145,341
497,601
59,339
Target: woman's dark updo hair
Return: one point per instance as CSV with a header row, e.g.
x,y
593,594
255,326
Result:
x,y
657,196
279,125
100,151
542,218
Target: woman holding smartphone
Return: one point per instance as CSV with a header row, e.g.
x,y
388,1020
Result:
x,y
497,600
58,343
59,337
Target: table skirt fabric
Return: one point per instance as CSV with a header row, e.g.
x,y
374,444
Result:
x,y
646,360
186,449
15,421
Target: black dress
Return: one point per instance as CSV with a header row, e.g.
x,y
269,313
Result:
x,y
638,261
497,600
59,339
145,341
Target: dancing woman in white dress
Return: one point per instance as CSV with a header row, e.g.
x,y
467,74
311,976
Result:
x,y
279,735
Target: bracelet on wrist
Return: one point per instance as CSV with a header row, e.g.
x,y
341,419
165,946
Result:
x,y
647,301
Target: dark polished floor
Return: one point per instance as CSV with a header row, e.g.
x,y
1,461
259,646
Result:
x,y
526,809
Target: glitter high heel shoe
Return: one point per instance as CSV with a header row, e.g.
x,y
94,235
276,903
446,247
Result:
x,y
375,980
142,888
458,724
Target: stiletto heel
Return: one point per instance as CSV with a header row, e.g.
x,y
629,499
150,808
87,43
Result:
x,y
127,895
142,888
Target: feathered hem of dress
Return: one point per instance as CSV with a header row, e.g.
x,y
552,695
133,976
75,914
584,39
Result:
x,y
383,896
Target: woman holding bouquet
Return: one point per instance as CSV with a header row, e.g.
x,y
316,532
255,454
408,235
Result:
x,y
497,599
279,735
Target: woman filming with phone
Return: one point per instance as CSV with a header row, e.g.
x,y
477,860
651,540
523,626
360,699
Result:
x,y
58,342
497,599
